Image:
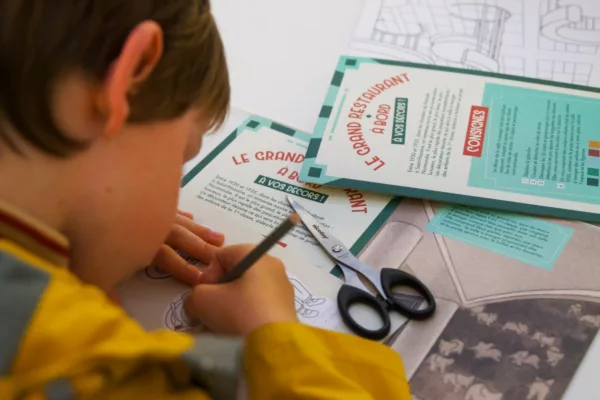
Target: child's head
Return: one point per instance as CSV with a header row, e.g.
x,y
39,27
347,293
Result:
x,y
101,102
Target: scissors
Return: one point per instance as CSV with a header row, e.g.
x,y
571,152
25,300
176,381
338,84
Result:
x,y
353,291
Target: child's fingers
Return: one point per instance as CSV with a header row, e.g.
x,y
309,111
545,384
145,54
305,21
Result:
x,y
210,236
225,260
170,261
214,272
228,257
183,239
185,214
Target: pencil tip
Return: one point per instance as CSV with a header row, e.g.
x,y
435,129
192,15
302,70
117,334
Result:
x,y
295,218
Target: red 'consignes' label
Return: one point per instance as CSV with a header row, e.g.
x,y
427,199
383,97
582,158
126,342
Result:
x,y
475,131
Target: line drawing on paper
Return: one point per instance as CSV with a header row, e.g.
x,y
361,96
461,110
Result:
x,y
305,301
555,40
459,34
175,318
155,272
577,73
571,26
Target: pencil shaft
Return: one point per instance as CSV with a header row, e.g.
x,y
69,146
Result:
x,y
259,251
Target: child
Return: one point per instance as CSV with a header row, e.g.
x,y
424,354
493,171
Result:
x,y
101,102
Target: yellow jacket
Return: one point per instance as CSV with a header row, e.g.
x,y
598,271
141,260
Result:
x,y
62,339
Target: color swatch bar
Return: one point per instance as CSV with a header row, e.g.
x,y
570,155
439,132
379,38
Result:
x,y
593,159
593,163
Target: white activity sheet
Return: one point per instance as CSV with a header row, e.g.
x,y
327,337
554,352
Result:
x,y
557,40
155,299
252,171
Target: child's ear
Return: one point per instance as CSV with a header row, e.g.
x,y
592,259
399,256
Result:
x,y
140,54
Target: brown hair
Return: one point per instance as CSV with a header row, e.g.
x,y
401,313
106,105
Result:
x,y
41,41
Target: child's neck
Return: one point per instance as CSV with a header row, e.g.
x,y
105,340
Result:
x,y
36,185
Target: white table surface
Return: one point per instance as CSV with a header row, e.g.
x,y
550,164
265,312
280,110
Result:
x,y
282,54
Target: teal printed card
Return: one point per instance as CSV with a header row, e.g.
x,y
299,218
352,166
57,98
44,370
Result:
x,y
460,137
538,143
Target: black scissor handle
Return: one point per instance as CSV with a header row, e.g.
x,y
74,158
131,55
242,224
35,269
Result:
x,y
391,278
349,295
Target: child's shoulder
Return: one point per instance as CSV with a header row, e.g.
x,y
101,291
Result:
x,y
54,325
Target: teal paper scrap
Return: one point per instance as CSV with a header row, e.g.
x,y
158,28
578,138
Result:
x,y
531,240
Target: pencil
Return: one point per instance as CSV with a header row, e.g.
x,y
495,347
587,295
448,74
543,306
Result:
x,y
262,248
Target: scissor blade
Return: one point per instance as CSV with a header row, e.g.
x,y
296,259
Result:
x,y
336,249
330,243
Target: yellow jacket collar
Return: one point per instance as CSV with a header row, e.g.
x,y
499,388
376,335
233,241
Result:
x,y
33,235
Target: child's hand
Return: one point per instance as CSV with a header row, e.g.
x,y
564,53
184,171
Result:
x,y
193,239
262,295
